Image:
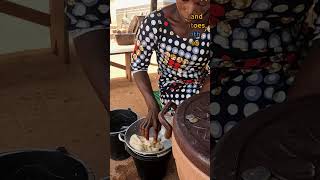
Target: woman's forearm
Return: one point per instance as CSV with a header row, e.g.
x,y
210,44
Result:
x,y
206,85
144,85
307,79
92,52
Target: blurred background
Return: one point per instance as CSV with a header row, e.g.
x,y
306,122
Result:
x,y
46,100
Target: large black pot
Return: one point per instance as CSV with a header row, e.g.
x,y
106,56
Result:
x,y
121,119
150,168
41,165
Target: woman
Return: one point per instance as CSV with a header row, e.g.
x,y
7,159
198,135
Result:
x,y
182,58
257,49
88,25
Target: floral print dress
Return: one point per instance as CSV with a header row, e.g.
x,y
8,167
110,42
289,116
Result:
x,y
257,48
182,62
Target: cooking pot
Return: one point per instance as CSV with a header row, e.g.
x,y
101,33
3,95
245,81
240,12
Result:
x,y
134,128
39,164
120,120
150,165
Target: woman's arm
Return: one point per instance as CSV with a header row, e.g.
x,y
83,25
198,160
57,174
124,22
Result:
x,y
141,57
206,85
307,80
144,85
91,49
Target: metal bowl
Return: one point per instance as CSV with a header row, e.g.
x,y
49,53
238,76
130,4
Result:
x,y
135,129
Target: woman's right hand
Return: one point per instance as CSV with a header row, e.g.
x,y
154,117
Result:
x,y
151,121
143,82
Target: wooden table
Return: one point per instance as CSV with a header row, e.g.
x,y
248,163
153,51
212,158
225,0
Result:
x,y
115,49
55,21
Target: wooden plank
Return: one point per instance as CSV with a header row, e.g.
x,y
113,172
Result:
x,y
25,13
118,65
128,66
52,29
45,53
154,4
58,31
116,49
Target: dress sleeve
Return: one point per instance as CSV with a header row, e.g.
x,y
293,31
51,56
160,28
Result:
x,y
145,44
315,18
208,67
85,16
207,70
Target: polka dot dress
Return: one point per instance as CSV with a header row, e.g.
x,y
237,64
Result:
x,y
182,62
257,48
87,14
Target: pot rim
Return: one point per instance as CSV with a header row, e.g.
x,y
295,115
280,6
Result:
x,y
122,109
145,154
67,154
151,156
117,132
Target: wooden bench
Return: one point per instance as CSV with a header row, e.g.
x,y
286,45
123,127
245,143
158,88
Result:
x,y
127,50
115,49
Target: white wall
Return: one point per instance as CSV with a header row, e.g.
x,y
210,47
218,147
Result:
x,y
18,35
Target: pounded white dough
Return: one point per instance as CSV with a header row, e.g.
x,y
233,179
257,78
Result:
x,y
140,143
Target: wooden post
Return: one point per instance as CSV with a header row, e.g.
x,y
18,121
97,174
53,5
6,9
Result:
x,y
128,66
154,4
59,34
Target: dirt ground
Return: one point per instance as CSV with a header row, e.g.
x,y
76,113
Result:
x,y
125,94
45,104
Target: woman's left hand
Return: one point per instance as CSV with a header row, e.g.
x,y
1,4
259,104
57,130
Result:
x,y
307,79
206,85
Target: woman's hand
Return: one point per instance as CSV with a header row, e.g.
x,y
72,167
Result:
x,y
206,85
151,121
143,82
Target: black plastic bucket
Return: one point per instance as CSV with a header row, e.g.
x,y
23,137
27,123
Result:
x,y
151,168
120,119
40,165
